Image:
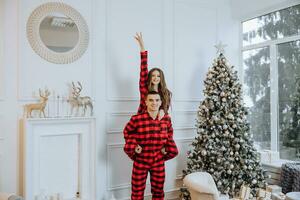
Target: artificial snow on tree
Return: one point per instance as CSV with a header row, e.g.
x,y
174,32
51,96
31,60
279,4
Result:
x,y
223,146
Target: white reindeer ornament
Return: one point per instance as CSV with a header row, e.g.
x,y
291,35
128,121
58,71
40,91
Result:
x,y
76,101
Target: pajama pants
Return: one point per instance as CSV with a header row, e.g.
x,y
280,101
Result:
x,y
139,177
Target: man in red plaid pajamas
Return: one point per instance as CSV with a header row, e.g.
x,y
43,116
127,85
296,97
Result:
x,y
149,143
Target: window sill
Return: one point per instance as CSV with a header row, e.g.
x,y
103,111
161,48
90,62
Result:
x,y
277,163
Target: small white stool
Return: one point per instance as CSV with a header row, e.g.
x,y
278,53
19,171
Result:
x,y
201,186
293,196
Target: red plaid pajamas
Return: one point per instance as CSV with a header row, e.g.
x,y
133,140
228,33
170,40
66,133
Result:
x,y
152,136
143,81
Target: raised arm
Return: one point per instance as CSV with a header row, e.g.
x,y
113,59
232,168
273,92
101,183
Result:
x,y
130,142
170,148
139,39
143,73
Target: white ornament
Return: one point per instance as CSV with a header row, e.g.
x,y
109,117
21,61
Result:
x,y
254,181
230,116
203,153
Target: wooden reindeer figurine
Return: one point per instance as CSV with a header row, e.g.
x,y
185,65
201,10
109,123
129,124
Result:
x,y
77,101
38,106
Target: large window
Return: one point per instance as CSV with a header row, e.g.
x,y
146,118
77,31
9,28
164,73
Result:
x,y
271,74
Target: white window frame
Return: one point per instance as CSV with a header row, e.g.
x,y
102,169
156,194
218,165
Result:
x,y
272,44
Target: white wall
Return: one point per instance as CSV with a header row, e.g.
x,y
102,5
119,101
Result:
x,y
244,9
180,36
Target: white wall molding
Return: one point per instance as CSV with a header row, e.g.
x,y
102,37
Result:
x,y
193,99
181,159
182,128
116,121
184,119
119,186
121,118
124,98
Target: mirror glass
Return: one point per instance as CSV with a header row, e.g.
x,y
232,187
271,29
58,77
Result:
x,y
59,32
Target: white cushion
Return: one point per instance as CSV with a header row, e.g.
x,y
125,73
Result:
x,y
201,182
293,196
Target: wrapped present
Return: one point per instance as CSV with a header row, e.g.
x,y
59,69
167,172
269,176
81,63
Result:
x,y
274,189
263,195
245,193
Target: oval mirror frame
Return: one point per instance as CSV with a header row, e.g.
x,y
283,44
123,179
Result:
x,y
40,48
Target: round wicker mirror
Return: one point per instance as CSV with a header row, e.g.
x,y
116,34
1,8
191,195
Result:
x,y
57,33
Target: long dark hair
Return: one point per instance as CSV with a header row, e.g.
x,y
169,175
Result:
x,y
165,93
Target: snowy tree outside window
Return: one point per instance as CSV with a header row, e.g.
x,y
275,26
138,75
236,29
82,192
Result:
x,y
271,70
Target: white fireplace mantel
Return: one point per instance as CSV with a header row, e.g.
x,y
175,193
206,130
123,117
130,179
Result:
x,y
59,157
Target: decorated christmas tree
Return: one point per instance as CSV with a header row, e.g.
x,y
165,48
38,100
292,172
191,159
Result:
x,y
223,146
